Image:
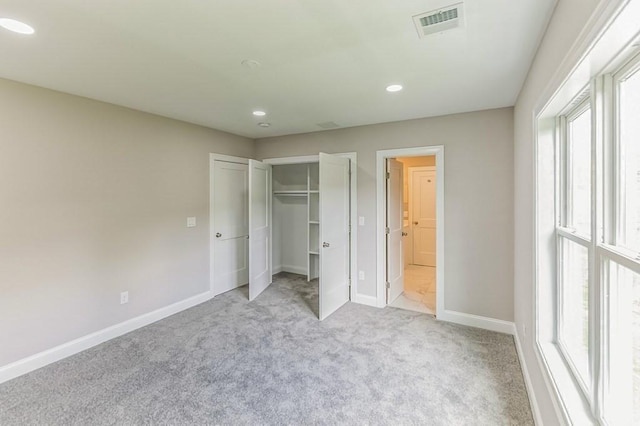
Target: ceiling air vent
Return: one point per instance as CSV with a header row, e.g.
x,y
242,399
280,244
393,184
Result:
x,y
439,20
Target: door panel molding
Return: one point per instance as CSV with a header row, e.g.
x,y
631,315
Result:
x,y
421,227
334,182
212,220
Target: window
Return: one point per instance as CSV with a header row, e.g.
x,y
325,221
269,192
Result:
x,y
621,257
574,241
596,327
628,91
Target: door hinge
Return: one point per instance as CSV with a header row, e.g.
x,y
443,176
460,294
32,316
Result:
x,y
388,284
388,175
387,230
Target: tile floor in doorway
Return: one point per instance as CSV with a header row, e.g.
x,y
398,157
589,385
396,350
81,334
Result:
x,y
419,290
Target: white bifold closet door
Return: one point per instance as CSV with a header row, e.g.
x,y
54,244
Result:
x,y
259,227
334,186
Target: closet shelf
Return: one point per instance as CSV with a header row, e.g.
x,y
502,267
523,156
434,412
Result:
x,y
314,191
314,222
300,193
314,252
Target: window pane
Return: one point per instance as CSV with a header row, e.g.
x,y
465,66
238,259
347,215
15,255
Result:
x,y
574,309
579,191
629,215
623,399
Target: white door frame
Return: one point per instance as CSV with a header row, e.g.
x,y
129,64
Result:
x,y
353,156
381,250
410,196
212,159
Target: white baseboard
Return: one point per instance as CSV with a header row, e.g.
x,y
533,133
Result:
x,y
535,409
366,300
26,365
294,269
276,269
477,321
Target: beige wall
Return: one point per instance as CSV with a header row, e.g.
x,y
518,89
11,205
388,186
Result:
x,y
478,191
568,20
94,202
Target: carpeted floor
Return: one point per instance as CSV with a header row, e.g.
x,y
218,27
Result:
x,y
228,361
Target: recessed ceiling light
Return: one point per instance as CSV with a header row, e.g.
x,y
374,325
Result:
x,y
264,124
16,26
394,88
259,113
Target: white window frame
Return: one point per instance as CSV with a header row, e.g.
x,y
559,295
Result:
x,y
581,104
599,55
606,209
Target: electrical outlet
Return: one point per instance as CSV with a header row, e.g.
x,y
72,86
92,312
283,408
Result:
x,y
191,222
361,220
361,275
124,297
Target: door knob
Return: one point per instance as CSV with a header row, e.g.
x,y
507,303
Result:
x,y
218,235
415,223
404,234
325,245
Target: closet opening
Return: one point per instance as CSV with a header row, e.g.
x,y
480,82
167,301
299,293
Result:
x,y
411,229
312,237
287,215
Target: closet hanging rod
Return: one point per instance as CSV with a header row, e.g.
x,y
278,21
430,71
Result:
x,y
301,193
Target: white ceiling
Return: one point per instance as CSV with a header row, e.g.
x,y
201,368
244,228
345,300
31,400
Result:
x,y
322,60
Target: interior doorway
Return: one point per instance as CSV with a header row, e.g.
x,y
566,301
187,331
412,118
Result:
x,y
412,198
418,235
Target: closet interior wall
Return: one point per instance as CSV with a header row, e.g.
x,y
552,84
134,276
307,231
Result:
x,y
295,219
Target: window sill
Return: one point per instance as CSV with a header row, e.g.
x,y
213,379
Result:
x,y
568,393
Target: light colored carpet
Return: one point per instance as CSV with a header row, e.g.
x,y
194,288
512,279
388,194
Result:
x,y
230,361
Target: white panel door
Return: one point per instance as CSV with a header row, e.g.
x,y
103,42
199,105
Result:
x,y
334,233
230,226
395,263
259,227
423,209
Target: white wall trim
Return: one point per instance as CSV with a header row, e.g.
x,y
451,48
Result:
x,y
49,356
381,255
301,270
229,158
477,321
302,159
363,299
533,402
353,243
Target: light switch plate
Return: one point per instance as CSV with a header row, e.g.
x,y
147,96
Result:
x,y
361,221
191,222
